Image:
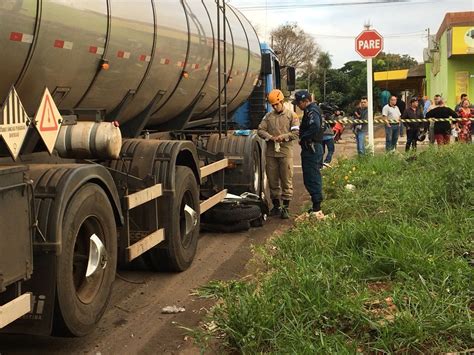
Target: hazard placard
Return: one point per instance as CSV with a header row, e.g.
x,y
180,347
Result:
x,y
48,121
13,123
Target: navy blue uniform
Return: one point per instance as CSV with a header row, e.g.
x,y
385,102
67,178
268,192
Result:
x,y
311,137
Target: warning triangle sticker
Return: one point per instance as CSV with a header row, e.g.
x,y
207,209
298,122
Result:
x,y
48,121
13,123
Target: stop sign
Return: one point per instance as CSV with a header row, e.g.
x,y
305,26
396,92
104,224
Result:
x,y
369,43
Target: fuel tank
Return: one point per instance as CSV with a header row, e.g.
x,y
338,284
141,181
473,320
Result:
x,y
126,57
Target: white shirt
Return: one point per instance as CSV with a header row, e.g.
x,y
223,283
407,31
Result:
x,y
392,113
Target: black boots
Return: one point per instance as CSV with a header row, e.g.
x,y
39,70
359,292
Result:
x,y
285,214
276,210
282,211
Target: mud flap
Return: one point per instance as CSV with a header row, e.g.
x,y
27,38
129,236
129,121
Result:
x,y
43,288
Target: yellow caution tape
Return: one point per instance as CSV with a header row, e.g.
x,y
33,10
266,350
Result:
x,y
346,120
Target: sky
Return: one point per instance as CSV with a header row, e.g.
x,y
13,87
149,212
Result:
x,y
404,25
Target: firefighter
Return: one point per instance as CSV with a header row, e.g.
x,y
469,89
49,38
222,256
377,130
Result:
x,y
279,128
311,138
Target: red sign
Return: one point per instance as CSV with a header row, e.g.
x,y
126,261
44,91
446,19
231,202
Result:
x,y
369,44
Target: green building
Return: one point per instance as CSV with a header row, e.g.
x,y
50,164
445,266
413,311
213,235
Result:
x,y
449,59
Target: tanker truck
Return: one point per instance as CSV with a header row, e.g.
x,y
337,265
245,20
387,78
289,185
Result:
x,y
115,137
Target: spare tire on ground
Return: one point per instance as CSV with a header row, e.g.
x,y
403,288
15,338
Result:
x,y
227,213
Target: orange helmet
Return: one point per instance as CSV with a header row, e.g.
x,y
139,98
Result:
x,y
275,96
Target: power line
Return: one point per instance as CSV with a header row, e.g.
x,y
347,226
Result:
x,y
394,35
299,5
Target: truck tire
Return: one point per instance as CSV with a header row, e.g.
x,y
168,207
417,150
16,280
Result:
x,y
261,187
179,248
258,171
223,214
249,175
81,301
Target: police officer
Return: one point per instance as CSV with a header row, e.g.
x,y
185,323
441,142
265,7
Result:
x,y
311,137
279,128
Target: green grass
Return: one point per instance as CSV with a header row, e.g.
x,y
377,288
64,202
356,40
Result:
x,y
389,274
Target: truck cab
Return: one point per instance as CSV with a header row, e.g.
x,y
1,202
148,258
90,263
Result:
x,y
272,76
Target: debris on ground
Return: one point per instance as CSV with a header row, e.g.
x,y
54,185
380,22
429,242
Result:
x,y
350,187
173,310
211,326
313,217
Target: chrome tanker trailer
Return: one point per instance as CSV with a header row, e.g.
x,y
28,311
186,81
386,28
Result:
x,y
114,140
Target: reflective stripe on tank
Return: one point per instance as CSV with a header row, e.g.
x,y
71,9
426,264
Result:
x,y
144,58
59,43
123,55
96,50
165,61
21,37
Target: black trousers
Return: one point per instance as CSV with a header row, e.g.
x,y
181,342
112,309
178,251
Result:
x,y
311,163
412,138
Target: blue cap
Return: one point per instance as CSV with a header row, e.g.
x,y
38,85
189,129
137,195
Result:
x,y
300,96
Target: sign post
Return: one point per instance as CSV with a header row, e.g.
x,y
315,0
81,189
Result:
x,y
370,108
369,44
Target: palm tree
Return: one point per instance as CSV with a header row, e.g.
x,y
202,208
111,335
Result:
x,y
324,63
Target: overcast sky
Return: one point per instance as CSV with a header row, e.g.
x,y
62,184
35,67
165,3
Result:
x,y
403,24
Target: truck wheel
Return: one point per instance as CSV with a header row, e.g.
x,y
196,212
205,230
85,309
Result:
x,y
81,300
180,247
260,182
232,214
258,171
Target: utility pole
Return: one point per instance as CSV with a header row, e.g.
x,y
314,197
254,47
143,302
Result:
x,y
324,86
370,97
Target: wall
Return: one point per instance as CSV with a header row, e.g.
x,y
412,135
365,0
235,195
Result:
x,y
438,84
462,63
444,82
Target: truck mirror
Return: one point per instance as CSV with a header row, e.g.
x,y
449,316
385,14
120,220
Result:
x,y
267,64
290,78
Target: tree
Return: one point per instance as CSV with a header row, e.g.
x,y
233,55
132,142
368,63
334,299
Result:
x,y
348,84
293,45
324,63
389,61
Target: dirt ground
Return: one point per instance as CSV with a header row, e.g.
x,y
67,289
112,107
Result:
x,y
133,323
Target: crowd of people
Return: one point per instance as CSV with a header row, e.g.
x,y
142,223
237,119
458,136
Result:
x,y
446,122
319,130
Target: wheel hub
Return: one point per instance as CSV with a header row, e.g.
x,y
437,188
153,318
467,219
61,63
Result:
x,y
89,260
191,218
97,256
